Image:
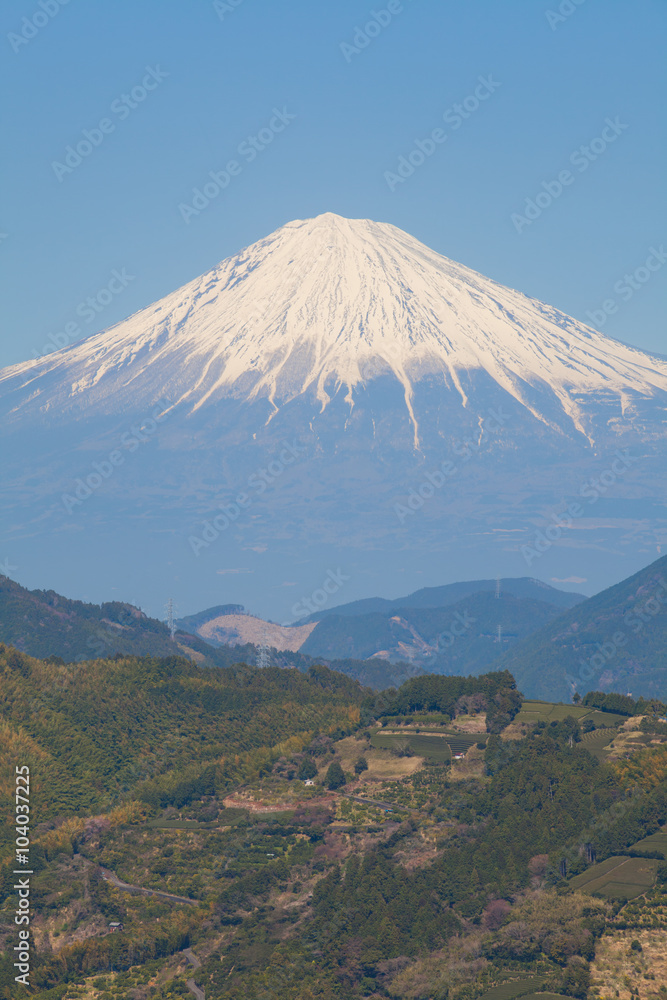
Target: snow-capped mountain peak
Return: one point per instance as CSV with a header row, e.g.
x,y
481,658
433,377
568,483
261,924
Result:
x,y
328,304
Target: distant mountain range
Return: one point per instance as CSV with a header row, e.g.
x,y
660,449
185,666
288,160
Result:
x,y
455,628
45,624
615,641
450,593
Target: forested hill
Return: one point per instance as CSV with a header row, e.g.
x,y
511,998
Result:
x,y
615,641
43,623
93,732
462,638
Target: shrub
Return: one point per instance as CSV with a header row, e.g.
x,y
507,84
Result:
x,y
335,777
361,765
307,770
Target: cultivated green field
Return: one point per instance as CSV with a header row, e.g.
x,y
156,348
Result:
x,y
656,842
545,996
439,747
549,711
516,988
618,878
434,747
597,742
420,719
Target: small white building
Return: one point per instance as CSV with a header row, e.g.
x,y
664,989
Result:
x,y
308,782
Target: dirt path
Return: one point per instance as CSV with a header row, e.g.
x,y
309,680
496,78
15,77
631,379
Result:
x,y
374,802
126,887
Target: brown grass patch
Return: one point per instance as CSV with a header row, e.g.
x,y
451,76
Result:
x,y
617,968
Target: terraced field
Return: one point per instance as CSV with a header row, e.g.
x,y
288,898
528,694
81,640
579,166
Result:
x,y
618,878
424,745
523,987
545,996
548,711
597,742
656,842
436,746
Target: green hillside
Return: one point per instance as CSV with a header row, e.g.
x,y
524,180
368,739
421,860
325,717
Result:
x,y
615,641
43,623
94,731
168,820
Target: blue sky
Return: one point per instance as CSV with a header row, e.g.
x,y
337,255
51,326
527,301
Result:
x,y
360,102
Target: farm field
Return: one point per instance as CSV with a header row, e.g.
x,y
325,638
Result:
x,y
656,842
544,996
436,746
618,878
597,742
515,989
548,711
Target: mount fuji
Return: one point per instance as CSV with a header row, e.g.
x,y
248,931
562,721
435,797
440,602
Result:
x,y
335,402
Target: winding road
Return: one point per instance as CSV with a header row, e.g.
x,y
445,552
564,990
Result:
x,y
127,887
188,952
190,983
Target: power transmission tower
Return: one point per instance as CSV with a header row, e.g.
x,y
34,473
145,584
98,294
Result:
x,y
497,586
171,625
263,655
500,634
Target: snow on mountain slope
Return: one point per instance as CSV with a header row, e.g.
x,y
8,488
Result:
x,y
335,397
324,305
